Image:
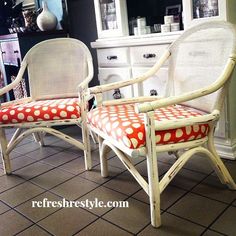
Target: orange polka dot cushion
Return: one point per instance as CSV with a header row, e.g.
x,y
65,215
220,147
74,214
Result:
x,y
44,110
123,124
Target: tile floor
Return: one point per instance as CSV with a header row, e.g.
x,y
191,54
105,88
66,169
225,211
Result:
x,y
194,204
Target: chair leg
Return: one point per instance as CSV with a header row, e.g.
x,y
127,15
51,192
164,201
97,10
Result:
x,y
5,156
87,150
220,167
153,179
103,158
154,192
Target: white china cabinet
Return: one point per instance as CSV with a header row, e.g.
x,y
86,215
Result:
x,y
123,57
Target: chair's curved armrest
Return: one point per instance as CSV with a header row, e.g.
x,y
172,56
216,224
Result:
x,y
124,83
151,106
16,81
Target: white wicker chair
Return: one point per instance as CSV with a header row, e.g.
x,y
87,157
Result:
x,y
59,70
201,62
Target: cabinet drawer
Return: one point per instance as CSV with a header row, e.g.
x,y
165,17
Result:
x,y
157,82
109,75
113,57
147,55
11,52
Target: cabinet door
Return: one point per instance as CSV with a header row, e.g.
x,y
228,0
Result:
x,y
109,75
157,82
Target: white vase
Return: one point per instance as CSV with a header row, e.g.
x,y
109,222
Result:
x,y
46,20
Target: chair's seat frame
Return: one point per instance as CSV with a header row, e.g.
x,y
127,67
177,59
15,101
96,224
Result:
x,y
38,129
147,105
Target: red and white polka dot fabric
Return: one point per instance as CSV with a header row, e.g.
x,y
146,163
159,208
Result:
x,y
45,110
124,125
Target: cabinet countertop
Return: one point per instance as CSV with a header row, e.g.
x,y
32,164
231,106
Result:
x,y
146,39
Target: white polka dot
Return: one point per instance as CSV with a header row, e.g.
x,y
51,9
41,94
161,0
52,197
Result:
x,y
28,110
63,114
126,141
54,111
5,117
46,116
56,118
20,108
62,106
115,124
167,137
134,141
14,121
30,118
108,127
158,138
45,108
70,108
37,112
37,106
12,112
179,133
73,116
203,128
140,135
136,125
188,130
119,132
5,110
126,123
21,116
196,128
129,131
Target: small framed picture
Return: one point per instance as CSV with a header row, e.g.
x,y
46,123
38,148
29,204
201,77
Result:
x,y
174,10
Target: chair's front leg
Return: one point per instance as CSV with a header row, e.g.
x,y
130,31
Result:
x,y
5,156
153,179
87,150
103,158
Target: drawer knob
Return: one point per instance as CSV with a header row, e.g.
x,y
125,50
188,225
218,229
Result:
x,y
116,94
3,52
16,51
112,57
153,92
149,55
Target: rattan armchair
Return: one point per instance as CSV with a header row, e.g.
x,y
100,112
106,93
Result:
x,y
200,62
58,70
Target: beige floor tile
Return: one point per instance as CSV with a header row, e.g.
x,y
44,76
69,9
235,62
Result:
x,y
74,188
226,223
38,213
60,158
173,226
133,218
105,195
12,223
33,170
9,181
51,178
203,210
3,208
168,196
102,228
124,183
67,221
20,194
34,231
211,187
